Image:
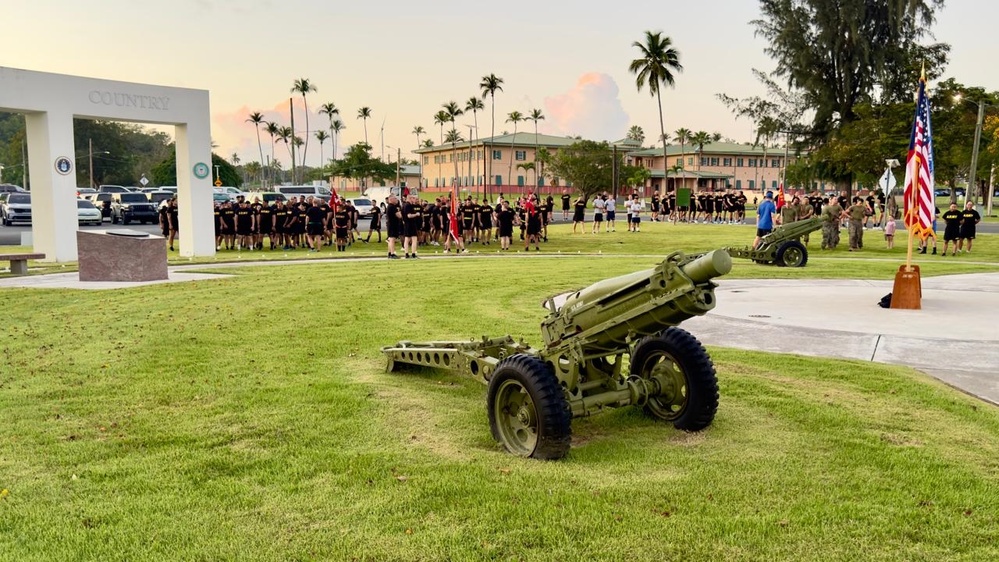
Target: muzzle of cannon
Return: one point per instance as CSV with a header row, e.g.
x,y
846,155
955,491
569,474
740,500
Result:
x,y
613,343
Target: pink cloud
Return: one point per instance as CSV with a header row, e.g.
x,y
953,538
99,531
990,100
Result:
x,y
591,109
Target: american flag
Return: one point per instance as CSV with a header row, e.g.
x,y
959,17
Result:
x,y
919,203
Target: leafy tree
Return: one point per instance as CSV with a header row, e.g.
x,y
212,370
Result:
x,y
587,165
358,164
655,67
165,172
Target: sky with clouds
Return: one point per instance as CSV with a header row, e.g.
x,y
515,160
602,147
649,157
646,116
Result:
x,y
405,59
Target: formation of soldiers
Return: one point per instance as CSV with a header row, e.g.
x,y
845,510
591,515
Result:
x,y
300,223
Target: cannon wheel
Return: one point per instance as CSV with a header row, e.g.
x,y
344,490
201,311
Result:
x,y
528,413
792,254
681,359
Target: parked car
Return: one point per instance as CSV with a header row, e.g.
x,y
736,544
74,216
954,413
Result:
x,y
363,206
113,189
87,213
231,192
268,197
10,188
158,197
15,207
381,193
83,192
128,207
301,191
170,188
103,203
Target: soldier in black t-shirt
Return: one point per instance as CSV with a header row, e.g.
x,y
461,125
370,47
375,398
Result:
x,y
566,203
265,225
228,225
579,214
952,229
468,221
280,218
393,222
485,222
315,227
412,215
969,218
376,221
505,218
341,227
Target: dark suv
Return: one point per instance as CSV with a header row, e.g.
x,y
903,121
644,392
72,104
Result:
x,y
128,207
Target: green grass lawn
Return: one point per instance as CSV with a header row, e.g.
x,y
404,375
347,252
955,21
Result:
x,y
250,418
658,239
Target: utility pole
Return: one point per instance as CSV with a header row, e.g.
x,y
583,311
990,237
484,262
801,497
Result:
x,y
90,143
972,186
398,167
291,110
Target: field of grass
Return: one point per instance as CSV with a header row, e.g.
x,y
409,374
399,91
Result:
x,y
658,239
249,418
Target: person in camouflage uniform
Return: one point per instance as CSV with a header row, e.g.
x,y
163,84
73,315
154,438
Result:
x,y
805,211
857,214
831,214
788,213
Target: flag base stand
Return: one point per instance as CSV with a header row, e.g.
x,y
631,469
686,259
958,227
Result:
x,y
908,290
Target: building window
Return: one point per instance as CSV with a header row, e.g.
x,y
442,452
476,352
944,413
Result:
x,y
763,163
739,162
679,162
752,164
690,161
714,161
497,155
738,184
499,180
752,184
541,181
704,161
520,155
775,163
520,181
726,162
773,184
426,159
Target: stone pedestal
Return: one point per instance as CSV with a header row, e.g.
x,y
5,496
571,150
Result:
x,y
121,255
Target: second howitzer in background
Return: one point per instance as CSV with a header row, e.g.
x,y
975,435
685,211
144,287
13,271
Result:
x,y
782,246
533,394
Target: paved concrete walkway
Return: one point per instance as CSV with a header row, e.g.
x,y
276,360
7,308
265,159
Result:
x,y
955,337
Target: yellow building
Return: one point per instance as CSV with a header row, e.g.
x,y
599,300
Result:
x,y
501,164
720,165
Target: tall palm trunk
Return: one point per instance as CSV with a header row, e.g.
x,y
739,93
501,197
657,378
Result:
x,y
305,149
260,147
662,137
492,135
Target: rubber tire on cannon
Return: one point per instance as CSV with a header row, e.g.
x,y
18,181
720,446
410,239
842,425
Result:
x,y
528,412
678,355
792,254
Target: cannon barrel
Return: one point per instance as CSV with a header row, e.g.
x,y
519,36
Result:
x,y
610,313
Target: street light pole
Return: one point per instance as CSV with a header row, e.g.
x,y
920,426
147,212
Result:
x,y
90,143
972,186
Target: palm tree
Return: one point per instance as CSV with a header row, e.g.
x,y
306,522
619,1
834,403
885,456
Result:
x,y
428,143
513,117
330,110
490,85
364,113
474,104
683,136
440,118
285,135
257,119
454,137
636,133
418,130
322,136
304,86
536,115
655,67
337,127
701,138
272,129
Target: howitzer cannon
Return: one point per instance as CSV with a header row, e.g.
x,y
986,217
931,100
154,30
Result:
x,y
533,394
782,246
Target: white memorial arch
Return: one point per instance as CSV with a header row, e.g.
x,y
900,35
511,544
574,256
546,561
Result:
x,y
50,102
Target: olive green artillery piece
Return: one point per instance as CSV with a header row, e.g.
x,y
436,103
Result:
x,y
782,246
533,394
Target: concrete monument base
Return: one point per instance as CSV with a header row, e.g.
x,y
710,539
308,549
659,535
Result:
x,y
121,255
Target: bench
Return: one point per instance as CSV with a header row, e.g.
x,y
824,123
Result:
x,y
19,262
